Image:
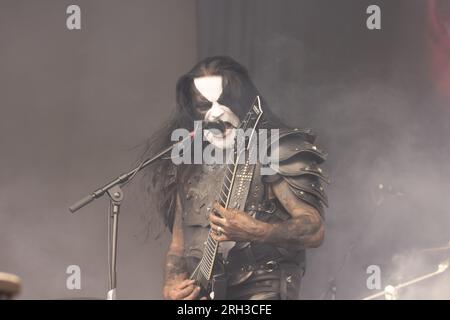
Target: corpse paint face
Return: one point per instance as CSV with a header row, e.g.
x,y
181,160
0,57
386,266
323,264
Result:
x,y
210,87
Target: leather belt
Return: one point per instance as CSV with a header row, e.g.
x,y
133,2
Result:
x,y
269,266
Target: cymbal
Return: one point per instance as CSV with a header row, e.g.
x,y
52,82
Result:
x,y
10,285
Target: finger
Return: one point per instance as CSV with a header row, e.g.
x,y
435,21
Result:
x,y
181,294
220,238
214,227
219,209
203,298
219,233
225,213
193,294
185,283
217,228
217,220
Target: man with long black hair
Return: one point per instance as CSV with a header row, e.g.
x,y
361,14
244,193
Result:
x,y
283,216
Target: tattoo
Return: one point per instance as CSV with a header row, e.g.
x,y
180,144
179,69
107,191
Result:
x,y
300,232
304,229
175,267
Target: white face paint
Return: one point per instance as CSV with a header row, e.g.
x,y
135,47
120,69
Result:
x,y
211,88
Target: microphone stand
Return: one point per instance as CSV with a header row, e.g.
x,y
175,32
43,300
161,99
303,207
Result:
x,y
114,191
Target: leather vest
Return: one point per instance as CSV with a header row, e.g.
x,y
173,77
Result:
x,y
197,196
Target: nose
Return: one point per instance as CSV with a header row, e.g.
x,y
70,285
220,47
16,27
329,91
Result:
x,y
215,112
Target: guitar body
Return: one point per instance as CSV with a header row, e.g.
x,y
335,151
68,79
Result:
x,y
216,287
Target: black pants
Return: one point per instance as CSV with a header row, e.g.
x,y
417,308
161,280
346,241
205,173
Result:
x,y
283,283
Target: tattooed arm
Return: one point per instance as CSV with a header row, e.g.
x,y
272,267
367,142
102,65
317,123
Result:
x,y
176,283
304,230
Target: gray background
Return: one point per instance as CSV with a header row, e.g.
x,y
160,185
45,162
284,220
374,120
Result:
x,y
76,106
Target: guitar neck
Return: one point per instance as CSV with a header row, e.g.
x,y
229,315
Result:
x,y
225,195
211,245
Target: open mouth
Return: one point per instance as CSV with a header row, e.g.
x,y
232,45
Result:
x,y
224,127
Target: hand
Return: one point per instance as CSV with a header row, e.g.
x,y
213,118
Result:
x,y
181,290
235,225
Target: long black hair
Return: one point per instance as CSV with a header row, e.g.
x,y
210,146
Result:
x,y
162,178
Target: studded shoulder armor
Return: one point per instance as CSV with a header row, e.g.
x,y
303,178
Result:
x,y
299,165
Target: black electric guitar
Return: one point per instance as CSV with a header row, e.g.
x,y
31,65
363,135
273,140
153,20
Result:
x,y
209,273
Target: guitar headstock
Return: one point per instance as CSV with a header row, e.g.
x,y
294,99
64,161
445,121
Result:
x,y
252,117
251,121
